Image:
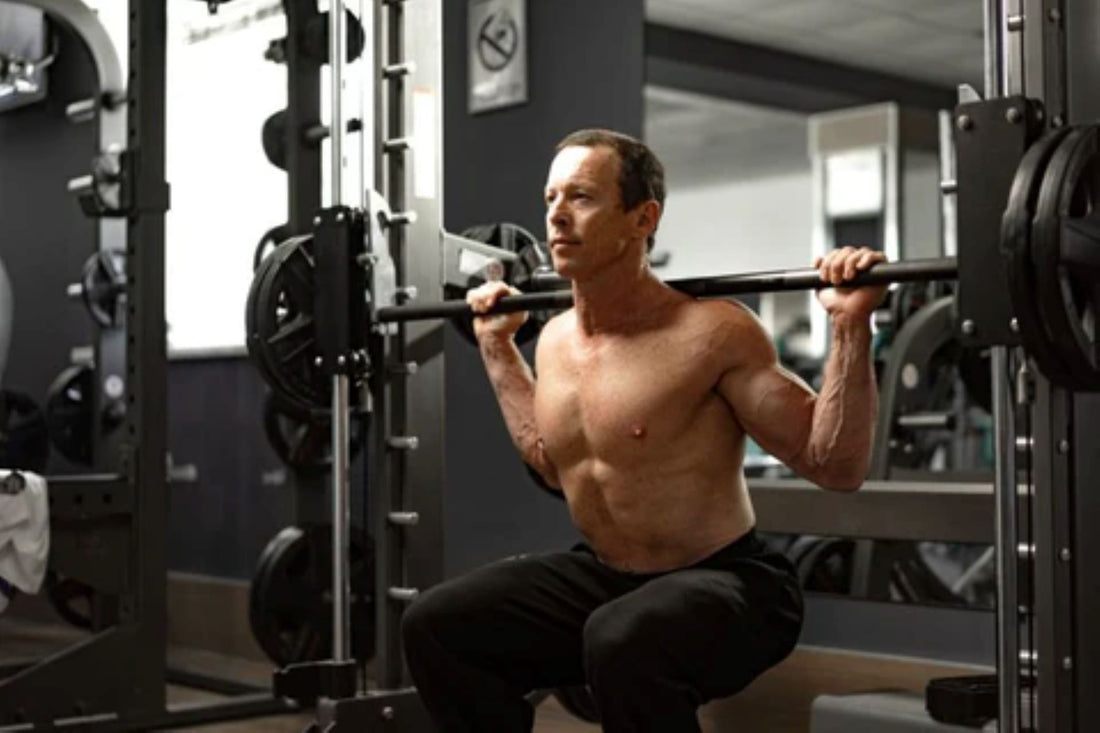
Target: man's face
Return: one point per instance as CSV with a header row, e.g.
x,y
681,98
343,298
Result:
x,y
586,225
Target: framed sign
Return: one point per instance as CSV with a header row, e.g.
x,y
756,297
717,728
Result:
x,y
497,38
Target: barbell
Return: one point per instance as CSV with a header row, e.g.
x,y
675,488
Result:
x,y
941,268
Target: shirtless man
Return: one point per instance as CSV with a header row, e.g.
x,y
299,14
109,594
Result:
x,y
639,415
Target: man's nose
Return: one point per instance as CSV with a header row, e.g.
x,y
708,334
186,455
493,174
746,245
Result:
x,y
556,214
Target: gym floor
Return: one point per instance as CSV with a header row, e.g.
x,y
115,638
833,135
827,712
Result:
x,y
778,702
22,639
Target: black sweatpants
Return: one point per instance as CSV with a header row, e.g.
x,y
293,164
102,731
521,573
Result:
x,y
652,647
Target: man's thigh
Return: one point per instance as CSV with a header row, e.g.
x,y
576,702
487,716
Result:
x,y
522,616
716,630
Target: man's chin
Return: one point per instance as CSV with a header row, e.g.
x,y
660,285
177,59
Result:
x,y
563,267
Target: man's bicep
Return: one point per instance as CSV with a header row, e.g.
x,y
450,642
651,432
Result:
x,y
773,405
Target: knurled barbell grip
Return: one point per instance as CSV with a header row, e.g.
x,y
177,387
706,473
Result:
x,y
945,268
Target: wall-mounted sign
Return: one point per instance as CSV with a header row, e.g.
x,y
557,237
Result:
x,y
497,54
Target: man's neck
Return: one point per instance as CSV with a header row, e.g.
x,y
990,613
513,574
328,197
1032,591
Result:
x,y
615,300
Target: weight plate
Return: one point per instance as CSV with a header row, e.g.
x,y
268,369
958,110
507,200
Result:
x,y
291,597
70,414
271,239
71,599
1065,252
824,564
273,136
261,580
533,256
935,393
102,283
313,40
281,337
1016,227
252,305
912,581
577,700
78,603
24,435
304,443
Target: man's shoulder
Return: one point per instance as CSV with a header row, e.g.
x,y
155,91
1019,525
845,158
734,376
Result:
x,y
735,332
554,331
725,315
558,324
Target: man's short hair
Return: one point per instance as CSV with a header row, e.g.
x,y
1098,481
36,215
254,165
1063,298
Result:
x,y
641,175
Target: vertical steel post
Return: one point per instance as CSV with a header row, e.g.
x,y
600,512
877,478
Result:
x,y
341,503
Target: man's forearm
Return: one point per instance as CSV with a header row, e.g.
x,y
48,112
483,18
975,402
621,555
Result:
x,y
846,406
514,384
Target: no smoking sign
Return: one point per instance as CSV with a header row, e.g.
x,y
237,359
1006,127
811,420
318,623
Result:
x,y
498,58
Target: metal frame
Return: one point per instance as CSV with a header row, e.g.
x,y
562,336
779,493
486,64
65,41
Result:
x,y
402,231
112,526
1046,649
928,509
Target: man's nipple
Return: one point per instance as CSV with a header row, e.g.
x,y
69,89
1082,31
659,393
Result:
x,y
638,431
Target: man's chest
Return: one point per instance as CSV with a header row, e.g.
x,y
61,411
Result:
x,y
624,395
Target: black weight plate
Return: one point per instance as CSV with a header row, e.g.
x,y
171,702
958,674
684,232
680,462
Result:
x,y
71,599
70,414
273,136
305,443
314,37
281,335
291,598
252,305
271,239
532,256
24,435
577,699
1016,247
1066,295
261,580
824,564
102,284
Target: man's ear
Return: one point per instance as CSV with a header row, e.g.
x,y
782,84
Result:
x,y
649,213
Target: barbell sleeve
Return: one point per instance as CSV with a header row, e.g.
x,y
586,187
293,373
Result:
x,y
921,270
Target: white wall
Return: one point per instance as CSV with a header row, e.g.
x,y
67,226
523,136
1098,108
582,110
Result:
x,y
737,226
224,193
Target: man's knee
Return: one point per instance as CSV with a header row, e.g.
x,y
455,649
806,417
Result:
x,y
447,611
619,643
425,618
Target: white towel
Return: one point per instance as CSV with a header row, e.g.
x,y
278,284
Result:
x,y
24,530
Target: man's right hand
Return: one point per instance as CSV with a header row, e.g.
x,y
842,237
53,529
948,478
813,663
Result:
x,y
483,298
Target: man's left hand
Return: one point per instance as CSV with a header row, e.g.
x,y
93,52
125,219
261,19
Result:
x,y
844,264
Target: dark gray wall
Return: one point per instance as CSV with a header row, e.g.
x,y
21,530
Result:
x,y
45,237
585,62
219,524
